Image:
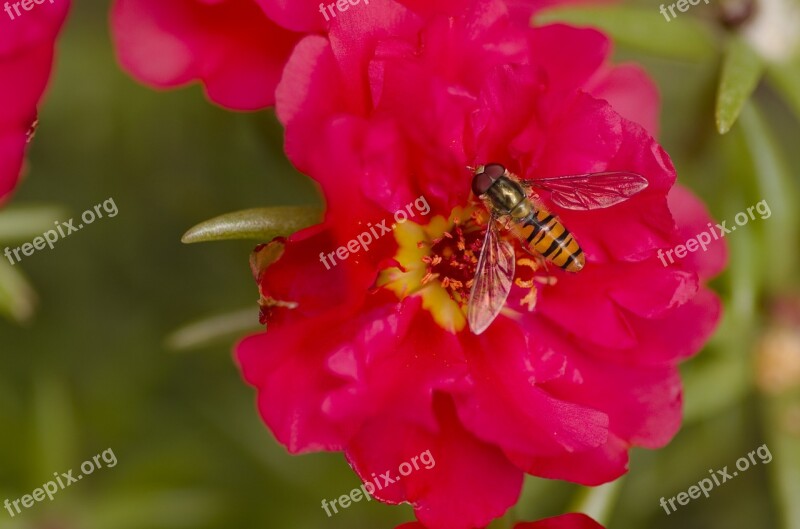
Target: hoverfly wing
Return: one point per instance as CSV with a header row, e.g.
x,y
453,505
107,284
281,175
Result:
x,y
591,190
493,278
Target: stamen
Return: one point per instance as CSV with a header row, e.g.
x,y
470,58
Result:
x,y
429,277
526,283
529,300
453,256
528,262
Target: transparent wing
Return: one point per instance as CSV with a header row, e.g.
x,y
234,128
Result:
x,y
591,190
493,278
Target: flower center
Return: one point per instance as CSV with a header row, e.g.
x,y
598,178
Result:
x,y
438,262
453,257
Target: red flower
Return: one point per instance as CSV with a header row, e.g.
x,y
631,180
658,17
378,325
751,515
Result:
x,y
368,351
565,521
313,16
27,41
236,48
229,45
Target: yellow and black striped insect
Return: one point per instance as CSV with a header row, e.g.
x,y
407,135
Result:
x,y
542,233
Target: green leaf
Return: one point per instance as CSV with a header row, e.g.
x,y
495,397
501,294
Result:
x,y
713,386
213,330
642,29
168,508
745,271
539,494
261,224
17,297
785,78
504,522
741,71
784,445
776,186
13,524
55,427
22,223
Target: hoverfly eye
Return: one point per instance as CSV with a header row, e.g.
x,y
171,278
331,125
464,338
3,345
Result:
x,y
481,183
494,170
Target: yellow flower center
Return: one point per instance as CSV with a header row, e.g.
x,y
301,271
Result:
x,y
437,262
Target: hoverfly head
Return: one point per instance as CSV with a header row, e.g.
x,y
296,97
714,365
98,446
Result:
x,y
485,176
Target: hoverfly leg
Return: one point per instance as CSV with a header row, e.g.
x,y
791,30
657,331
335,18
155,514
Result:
x,y
542,262
547,279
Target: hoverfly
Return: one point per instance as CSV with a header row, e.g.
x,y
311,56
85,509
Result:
x,y
542,233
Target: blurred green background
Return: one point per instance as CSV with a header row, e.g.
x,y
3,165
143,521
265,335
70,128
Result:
x,y
91,370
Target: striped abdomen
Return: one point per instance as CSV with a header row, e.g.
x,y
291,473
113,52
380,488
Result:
x,y
546,236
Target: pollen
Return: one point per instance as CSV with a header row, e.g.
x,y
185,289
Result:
x,y
453,256
438,262
527,278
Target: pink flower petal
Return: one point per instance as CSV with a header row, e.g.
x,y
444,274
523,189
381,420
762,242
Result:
x,y
586,52
229,45
631,92
565,521
693,219
323,364
504,406
26,59
447,495
297,15
590,467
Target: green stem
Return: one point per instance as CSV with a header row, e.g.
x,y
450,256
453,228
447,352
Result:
x,y
598,502
784,445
